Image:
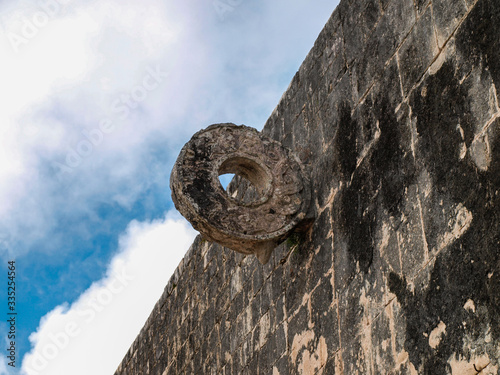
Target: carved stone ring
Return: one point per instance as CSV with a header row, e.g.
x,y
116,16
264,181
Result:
x,y
257,223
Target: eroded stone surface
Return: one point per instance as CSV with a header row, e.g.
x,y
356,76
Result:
x,y
399,125
252,226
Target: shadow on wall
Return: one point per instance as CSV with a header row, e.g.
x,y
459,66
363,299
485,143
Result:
x,y
463,294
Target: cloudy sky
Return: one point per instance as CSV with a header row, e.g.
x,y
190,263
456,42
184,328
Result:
x,y
97,98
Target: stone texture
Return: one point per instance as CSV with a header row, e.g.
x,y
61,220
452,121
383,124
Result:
x,y
260,213
395,115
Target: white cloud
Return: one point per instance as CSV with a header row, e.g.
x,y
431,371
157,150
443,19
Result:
x,y
3,366
68,76
80,63
93,334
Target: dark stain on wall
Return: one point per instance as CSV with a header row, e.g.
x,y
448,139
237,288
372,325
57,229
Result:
x,y
391,163
469,268
345,143
463,273
438,115
477,39
382,177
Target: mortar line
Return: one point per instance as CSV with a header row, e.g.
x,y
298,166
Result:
x,y
441,49
424,237
486,127
434,29
341,19
340,335
398,66
495,96
399,251
386,63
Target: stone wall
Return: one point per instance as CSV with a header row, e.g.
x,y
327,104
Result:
x,y
395,114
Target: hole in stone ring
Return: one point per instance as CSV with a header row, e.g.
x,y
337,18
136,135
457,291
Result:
x,y
240,189
251,182
225,179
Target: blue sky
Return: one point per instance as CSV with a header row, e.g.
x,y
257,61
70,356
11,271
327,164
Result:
x,y
97,99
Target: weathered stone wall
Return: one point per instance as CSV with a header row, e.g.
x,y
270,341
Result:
x,y
395,114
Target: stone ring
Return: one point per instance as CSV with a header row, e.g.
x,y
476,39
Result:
x,y
278,190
